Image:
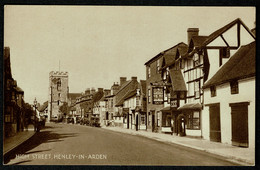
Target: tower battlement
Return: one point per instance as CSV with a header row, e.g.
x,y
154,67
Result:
x,y
59,73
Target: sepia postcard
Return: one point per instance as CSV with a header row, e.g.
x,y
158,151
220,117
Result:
x,y
129,85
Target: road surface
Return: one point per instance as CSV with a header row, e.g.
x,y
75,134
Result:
x,y
68,144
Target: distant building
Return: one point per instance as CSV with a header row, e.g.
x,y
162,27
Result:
x,y
58,93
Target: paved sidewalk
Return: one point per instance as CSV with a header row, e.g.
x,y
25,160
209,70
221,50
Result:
x,y
243,156
11,143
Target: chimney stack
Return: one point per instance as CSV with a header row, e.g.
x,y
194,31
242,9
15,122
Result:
x,y
192,32
122,80
87,91
134,78
92,90
100,89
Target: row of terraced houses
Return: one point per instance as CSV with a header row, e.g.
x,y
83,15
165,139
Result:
x,y
202,88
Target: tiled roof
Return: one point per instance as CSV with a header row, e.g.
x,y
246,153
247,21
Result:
x,y
171,52
43,107
126,88
178,83
73,96
198,40
240,65
123,86
130,94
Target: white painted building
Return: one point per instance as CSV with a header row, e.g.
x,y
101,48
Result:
x,y
229,101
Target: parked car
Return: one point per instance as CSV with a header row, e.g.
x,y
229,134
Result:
x,y
70,120
94,122
78,119
84,121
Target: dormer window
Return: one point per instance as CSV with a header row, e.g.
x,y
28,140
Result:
x,y
234,87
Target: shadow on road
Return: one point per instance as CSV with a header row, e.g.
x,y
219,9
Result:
x,y
44,136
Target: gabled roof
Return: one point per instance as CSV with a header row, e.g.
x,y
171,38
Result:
x,y
169,52
121,94
177,80
130,94
123,86
220,31
240,65
198,40
43,107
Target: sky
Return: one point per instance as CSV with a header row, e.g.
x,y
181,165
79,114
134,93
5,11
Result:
x,y
98,44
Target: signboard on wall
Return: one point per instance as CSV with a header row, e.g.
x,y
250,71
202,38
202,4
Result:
x,y
157,95
173,103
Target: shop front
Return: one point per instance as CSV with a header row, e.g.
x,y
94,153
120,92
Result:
x,y
189,120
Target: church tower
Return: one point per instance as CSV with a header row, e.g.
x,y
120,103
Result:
x,y
58,93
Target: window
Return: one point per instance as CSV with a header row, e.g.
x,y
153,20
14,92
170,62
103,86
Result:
x,y
196,59
59,95
193,120
59,84
191,89
149,72
165,94
149,95
142,119
158,65
234,87
224,52
158,119
213,91
197,89
166,74
58,102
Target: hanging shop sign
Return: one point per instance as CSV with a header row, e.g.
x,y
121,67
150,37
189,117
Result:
x,y
157,95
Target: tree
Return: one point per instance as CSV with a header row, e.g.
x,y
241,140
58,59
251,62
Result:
x,y
64,108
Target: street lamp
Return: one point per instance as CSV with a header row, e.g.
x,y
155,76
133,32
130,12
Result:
x,y
35,106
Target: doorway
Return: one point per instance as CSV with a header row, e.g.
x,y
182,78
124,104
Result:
x,y
239,116
214,123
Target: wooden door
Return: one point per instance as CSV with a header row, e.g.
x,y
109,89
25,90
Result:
x,y
239,114
215,128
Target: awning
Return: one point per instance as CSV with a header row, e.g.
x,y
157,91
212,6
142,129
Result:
x,y
168,109
191,106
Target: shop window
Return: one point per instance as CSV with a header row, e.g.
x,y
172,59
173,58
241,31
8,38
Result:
x,y
193,120
213,91
234,87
